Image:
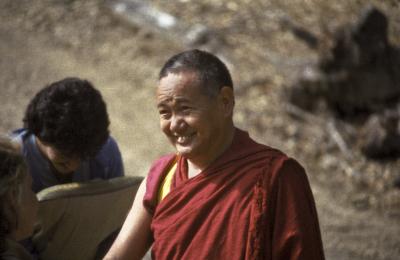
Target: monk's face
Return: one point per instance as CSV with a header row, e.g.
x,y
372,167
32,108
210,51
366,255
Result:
x,y
193,121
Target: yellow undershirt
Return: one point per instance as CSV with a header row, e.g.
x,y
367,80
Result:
x,y
166,184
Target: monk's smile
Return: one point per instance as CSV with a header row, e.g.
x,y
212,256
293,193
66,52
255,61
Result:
x,y
184,139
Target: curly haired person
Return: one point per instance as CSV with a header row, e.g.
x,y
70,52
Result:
x,y
66,137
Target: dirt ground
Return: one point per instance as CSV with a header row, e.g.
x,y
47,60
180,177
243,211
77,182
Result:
x,y
43,41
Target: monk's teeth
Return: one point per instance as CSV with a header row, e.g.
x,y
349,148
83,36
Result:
x,y
183,139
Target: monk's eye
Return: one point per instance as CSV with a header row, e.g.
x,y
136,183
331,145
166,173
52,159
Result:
x,y
185,109
164,114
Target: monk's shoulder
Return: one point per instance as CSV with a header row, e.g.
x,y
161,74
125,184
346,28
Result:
x,y
279,166
272,155
278,163
158,171
154,178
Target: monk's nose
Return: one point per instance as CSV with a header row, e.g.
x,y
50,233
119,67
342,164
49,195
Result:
x,y
177,124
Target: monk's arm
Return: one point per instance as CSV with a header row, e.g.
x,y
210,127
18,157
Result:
x,y
296,232
134,239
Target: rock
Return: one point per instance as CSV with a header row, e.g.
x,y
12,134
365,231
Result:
x,y
382,139
143,14
396,183
358,75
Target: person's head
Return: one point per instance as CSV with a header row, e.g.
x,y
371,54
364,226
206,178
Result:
x,y
195,100
18,203
70,121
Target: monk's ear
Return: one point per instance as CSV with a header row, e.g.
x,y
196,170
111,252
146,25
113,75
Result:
x,y
227,100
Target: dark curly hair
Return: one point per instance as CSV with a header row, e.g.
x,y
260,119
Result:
x,y
12,173
70,115
212,73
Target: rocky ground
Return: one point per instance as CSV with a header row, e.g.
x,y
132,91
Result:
x,y
43,41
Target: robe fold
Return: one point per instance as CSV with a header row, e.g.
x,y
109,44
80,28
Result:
x,y
253,202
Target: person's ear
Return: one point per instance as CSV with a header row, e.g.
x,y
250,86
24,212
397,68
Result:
x,y
227,100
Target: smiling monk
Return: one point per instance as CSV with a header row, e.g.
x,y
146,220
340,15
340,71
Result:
x,y
222,195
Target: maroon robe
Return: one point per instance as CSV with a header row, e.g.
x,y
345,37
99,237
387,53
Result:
x,y
253,202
